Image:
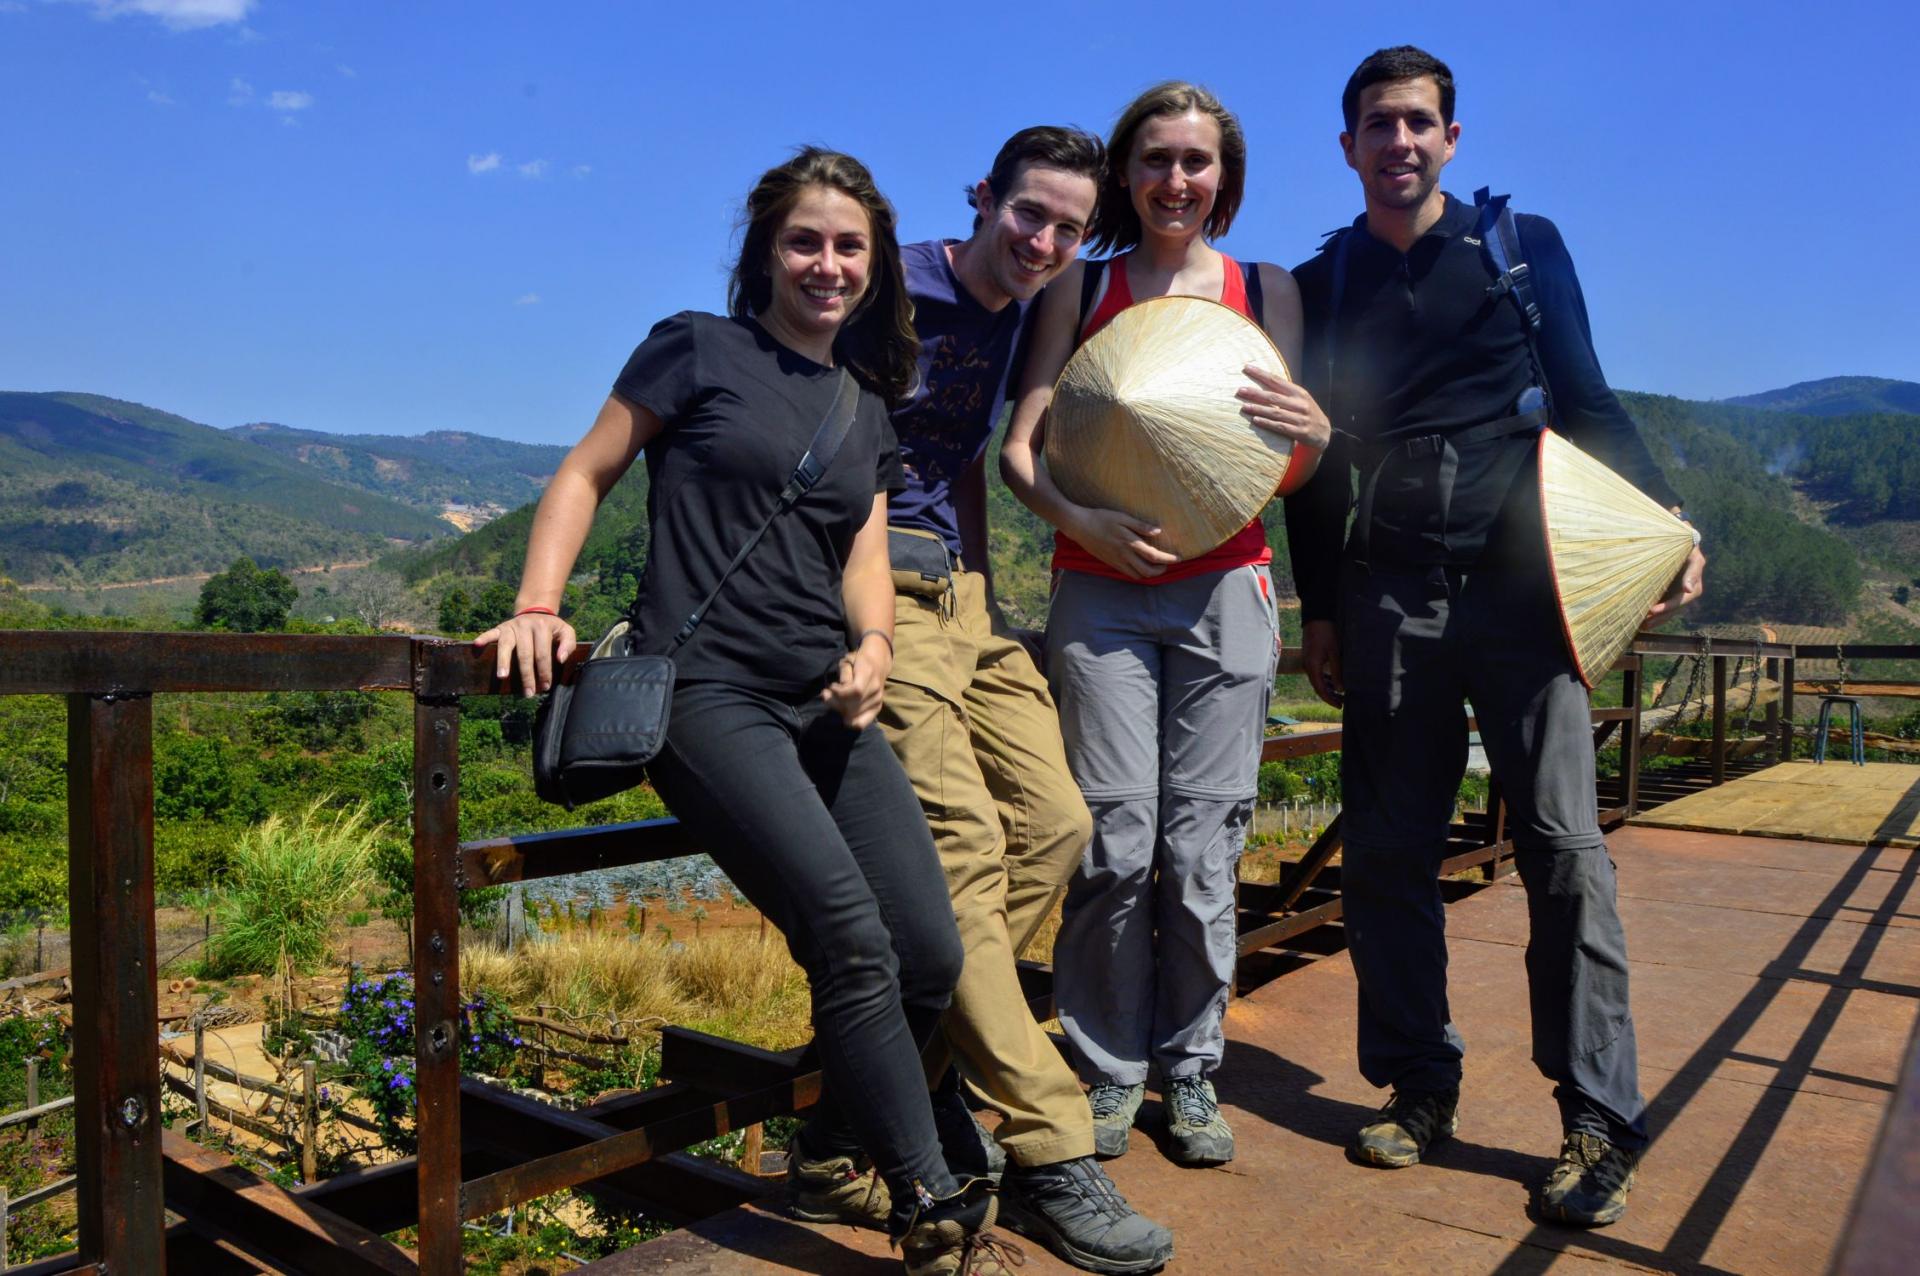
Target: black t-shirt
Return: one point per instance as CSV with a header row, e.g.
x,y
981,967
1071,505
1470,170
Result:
x,y
739,410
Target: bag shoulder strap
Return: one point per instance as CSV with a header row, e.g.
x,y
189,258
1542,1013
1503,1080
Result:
x,y
827,438
1336,245
1256,293
1089,289
1499,237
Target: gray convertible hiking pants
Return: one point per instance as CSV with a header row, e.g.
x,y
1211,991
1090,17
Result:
x,y
1413,645
1163,693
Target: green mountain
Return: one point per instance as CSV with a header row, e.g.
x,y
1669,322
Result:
x,y
98,490
1838,396
435,471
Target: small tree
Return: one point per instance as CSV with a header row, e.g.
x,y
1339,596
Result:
x,y
246,599
456,612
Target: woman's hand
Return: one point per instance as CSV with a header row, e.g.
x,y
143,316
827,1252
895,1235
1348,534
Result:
x,y
1121,541
535,644
1274,403
861,681
1687,586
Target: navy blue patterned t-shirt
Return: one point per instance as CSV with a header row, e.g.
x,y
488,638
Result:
x,y
967,353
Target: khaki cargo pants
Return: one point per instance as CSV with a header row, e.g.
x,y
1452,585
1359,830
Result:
x,y
972,721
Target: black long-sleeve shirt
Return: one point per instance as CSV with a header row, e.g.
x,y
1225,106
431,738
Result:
x,y
1422,348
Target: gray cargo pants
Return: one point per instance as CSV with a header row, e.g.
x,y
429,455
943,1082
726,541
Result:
x,y
1163,693
1413,645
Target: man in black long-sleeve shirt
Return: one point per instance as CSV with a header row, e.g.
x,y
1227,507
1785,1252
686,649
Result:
x,y
1437,389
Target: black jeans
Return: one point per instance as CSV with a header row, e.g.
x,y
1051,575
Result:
x,y
1414,643
818,827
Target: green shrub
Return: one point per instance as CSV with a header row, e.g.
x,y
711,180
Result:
x,y
290,877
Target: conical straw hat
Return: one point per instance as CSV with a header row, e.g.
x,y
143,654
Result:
x,y
1144,420
1614,552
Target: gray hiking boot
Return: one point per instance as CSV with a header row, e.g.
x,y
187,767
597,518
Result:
x,y
834,1189
1196,1132
971,1152
1074,1209
1114,1110
1114,1107
1588,1186
1411,1122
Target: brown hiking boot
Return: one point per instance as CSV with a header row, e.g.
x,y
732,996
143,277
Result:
x,y
952,1236
1588,1186
835,1189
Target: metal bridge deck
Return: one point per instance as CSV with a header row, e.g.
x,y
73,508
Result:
x,y
1776,983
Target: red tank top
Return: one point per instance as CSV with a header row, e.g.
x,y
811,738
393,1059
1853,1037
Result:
x,y
1246,547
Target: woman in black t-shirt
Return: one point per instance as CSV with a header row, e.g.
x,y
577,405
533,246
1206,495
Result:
x,y
771,755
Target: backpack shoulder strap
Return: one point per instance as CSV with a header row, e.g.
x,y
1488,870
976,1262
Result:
x,y
1499,237
1336,246
1089,288
1256,293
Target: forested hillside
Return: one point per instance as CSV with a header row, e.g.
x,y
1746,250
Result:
x,y
1838,396
432,470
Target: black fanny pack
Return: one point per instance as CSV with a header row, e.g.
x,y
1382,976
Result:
x,y
922,563
594,736
1435,498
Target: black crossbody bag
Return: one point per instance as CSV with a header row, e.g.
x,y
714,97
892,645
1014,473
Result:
x,y
594,736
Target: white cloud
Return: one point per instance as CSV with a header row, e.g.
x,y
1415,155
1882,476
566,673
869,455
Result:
x,y
158,98
177,15
347,72
483,163
581,170
289,100
527,299
239,92
533,168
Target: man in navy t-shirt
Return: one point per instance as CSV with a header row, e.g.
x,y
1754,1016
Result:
x,y
971,718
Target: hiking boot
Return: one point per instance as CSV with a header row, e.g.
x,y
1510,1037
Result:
x,y
1410,1123
952,1236
1196,1132
1114,1107
834,1189
1588,1186
1074,1209
970,1151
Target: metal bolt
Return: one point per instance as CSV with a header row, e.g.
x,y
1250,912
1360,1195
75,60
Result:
x,y
439,1038
439,977
132,1112
436,943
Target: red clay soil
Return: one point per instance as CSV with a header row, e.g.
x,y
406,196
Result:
x,y
1775,987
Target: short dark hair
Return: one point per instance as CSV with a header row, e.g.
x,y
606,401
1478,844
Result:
x,y
1068,149
877,342
1401,62
1116,226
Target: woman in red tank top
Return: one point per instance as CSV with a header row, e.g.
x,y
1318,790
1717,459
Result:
x,y
1162,668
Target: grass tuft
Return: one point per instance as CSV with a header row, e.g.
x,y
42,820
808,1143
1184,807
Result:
x,y
290,877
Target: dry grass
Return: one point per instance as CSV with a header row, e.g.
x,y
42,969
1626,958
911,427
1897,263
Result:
x,y
730,982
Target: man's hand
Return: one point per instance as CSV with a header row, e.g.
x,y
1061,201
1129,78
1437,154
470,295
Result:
x,y
1122,541
1687,586
861,682
535,644
1320,650
1278,405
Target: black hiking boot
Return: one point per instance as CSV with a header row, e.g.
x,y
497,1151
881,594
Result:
x,y
952,1235
1411,1122
1588,1186
834,1188
1074,1209
971,1152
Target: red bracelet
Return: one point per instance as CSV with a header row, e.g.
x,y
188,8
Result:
x,y
537,611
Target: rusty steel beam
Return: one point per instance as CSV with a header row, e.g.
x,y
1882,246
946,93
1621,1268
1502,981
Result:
x,y
722,1066
1651,644
1285,928
500,860
539,1177
1275,748
274,1226
1719,754
436,968
116,1072
58,663
1324,848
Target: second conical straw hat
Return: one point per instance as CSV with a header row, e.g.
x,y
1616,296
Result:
x,y
1144,420
1613,549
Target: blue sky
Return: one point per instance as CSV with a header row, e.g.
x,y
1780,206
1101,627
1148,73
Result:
x,y
396,217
